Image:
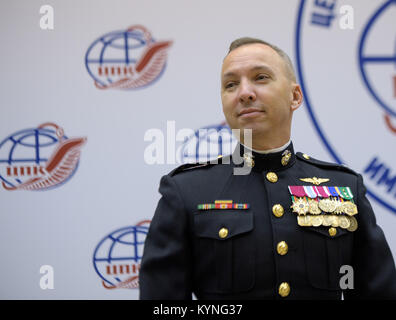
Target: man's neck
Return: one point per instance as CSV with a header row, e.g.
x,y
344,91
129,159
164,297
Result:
x,y
268,149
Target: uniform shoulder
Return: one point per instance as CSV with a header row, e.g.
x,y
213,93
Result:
x,y
324,164
200,165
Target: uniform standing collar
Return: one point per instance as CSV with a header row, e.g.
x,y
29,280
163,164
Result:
x,y
271,150
272,160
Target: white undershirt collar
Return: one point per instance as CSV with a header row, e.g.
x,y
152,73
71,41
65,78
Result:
x,y
271,150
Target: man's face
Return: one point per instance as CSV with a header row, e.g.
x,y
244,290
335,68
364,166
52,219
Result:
x,y
256,92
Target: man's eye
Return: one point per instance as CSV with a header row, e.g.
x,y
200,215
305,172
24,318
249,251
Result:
x,y
262,77
230,85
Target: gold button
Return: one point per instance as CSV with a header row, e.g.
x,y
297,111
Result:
x,y
282,248
306,156
332,231
223,233
278,210
272,177
284,289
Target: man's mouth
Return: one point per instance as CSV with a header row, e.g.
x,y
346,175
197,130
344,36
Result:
x,y
250,112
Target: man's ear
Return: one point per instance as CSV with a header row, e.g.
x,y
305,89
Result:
x,y
297,97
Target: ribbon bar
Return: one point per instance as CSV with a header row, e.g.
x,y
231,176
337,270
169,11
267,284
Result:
x,y
321,192
238,206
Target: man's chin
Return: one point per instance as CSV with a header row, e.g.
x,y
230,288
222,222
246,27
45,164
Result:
x,y
252,130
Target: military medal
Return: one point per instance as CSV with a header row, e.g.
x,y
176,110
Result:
x,y
300,206
313,207
304,221
327,205
335,222
339,207
344,222
349,208
323,205
301,221
317,221
353,224
327,220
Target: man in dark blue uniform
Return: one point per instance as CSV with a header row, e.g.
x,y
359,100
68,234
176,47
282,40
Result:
x,y
264,222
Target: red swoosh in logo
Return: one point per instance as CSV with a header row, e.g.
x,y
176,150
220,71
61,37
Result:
x,y
147,68
389,124
59,166
130,283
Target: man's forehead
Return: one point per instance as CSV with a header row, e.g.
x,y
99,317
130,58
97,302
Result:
x,y
251,49
230,72
251,55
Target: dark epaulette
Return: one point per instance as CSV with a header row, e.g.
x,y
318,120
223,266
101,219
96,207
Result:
x,y
192,166
324,164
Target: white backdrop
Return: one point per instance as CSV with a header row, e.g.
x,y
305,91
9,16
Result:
x,y
99,212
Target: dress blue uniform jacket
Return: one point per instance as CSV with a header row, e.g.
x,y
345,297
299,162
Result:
x,y
184,252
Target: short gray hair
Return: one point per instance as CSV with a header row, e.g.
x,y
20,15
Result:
x,y
247,40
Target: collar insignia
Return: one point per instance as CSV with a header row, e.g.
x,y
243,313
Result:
x,y
248,158
286,155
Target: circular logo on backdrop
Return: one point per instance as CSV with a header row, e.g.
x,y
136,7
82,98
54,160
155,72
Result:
x,y
39,158
117,257
207,143
126,59
349,82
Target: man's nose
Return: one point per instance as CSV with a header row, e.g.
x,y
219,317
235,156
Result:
x,y
246,92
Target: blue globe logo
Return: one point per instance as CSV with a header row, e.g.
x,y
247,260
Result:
x,y
27,156
127,59
117,257
374,65
207,143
